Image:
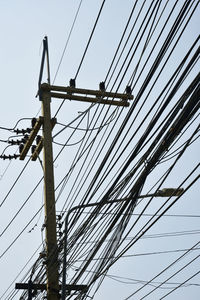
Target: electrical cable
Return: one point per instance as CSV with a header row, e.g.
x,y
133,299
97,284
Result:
x,y
154,221
14,183
91,35
180,285
17,237
120,187
122,37
182,268
93,164
144,230
11,129
88,43
117,137
67,42
14,280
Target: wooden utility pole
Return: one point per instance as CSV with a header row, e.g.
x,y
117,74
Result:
x,y
46,91
45,143
49,200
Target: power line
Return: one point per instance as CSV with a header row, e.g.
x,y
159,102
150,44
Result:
x,y
195,274
182,268
91,35
15,182
67,42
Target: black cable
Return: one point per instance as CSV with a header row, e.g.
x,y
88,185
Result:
x,y
91,35
11,129
195,274
148,113
169,266
182,268
67,42
170,169
14,183
143,231
14,280
122,37
123,125
90,169
16,238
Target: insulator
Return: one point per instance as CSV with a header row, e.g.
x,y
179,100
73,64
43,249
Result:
x,y
28,130
128,90
38,139
33,122
25,138
33,148
102,86
42,254
72,83
17,131
11,142
21,147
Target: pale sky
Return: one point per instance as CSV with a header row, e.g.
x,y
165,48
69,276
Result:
x,y
23,26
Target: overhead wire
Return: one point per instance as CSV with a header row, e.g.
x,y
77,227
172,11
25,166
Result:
x,y
148,254
169,266
118,157
195,274
182,268
94,162
26,226
14,280
122,127
90,38
166,175
144,229
18,177
143,232
11,129
85,51
68,38
120,42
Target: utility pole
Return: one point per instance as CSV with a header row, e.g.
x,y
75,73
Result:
x,y
52,284
46,91
49,200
